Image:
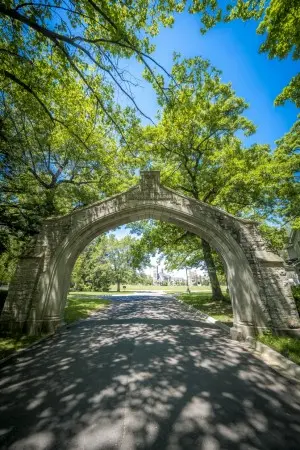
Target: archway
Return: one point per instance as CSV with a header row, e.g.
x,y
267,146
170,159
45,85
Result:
x,y
258,286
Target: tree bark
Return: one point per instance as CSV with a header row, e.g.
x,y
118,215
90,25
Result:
x,y
187,281
212,273
50,203
118,285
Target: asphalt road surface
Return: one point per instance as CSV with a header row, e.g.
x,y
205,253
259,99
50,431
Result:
x,y
144,374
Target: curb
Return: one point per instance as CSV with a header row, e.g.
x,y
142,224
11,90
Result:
x,y
204,316
275,360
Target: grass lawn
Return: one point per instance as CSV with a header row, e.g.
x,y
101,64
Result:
x,y
79,307
92,295
165,288
140,287
287,346
221,311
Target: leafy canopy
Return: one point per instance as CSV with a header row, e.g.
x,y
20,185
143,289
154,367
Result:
x,y
196,141
45,41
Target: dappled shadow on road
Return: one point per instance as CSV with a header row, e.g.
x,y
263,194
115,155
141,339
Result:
x,y
145,375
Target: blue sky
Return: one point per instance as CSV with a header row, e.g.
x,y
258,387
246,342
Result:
x,y
232,48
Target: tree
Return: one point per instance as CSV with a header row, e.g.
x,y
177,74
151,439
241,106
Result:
x,y
276,237
195,143
83,40
63,136
279,23
47,161
286,176
180,249
49,169
109,260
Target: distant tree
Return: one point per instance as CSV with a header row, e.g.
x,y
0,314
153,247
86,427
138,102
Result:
x,y
180,249
107,261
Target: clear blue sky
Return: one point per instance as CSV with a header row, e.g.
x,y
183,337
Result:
x,y
232,48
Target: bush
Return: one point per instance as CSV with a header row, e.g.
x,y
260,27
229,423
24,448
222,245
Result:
x,y
296,292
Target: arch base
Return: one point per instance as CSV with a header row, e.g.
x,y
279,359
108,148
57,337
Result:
x,y
10,325
242,332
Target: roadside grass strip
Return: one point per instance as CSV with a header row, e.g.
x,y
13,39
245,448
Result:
x,y
221,311
81,307
11,344
78,307
286,346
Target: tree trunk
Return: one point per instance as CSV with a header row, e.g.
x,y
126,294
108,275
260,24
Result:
x,y
49,206
212,273
118,285
187,281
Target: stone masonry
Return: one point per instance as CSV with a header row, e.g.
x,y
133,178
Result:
x,y
258,285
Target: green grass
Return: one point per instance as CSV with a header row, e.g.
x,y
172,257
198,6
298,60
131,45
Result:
x,y
221,311
81,305
9,345
139,287
287,346
78,307
93,295
135,288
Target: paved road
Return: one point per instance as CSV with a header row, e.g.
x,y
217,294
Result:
x,y
145,374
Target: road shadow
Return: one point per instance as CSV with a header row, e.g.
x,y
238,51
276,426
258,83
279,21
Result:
x,y
145,374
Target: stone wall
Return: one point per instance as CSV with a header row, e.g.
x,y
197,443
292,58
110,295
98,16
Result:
x,y
258,285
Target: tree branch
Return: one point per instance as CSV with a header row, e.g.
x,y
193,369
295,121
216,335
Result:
x,y
27,88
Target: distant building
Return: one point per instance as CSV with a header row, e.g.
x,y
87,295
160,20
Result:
x,y
196,278
160,277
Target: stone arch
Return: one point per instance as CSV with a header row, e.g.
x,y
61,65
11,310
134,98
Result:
x,y
259,290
